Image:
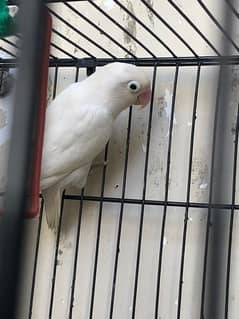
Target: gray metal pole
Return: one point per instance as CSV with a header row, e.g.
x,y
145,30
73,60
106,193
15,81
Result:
x,y
215,298
31,27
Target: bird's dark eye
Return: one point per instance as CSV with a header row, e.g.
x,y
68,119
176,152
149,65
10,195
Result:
x,y
134,86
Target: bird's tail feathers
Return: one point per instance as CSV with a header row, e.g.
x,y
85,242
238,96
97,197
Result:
x,y
52,204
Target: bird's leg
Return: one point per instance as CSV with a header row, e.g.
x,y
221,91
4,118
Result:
x,y
98,164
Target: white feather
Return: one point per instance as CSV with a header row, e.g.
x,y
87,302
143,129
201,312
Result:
x,y
78,126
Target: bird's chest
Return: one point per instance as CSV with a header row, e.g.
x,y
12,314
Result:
x,y
91,134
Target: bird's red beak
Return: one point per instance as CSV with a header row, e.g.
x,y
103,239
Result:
x,y
144,97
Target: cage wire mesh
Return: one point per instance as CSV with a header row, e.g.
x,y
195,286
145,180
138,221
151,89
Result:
x,y
136,242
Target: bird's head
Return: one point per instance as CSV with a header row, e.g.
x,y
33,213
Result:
x,y
126,85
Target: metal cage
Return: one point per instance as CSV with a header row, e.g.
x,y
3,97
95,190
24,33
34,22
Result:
x,y
185,39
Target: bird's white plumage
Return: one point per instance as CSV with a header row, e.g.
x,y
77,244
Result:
x,y
76,139
78,126
76,131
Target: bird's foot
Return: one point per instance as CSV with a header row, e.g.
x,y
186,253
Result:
x,y
99,164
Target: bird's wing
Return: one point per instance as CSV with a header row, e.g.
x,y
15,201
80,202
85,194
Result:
x,y
72,139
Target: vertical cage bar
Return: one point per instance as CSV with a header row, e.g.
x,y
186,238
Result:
x,y
141,223
203,293
52,293
160,258
232,217
97,244
117,250
55,82
194,117
36,259
77,241
217,225
77,245
55,258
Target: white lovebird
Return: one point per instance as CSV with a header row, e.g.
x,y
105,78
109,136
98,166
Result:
x,y
79,124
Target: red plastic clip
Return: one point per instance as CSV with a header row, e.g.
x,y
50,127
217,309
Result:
x,y
33,197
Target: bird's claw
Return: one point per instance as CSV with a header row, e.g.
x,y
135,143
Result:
x,y
99,164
